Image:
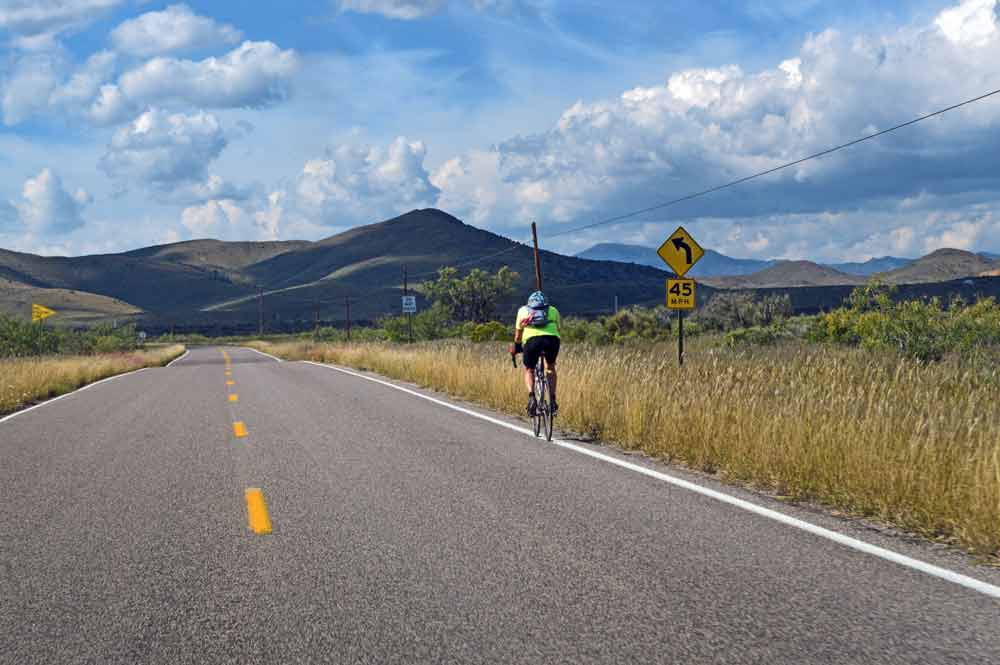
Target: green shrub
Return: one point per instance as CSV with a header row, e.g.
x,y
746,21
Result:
x,y
921,329
23,339
493,331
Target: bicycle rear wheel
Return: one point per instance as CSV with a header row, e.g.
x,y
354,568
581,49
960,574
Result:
x,y
547,416
536,419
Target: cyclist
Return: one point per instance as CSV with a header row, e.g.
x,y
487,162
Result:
x,y
536,333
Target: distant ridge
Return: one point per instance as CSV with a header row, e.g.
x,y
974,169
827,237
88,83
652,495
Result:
x,y
941,265
715,264
788,273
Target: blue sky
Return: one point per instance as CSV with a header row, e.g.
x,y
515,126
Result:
x,y
127,123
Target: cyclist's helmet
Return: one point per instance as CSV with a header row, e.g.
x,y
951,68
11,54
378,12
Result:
x,y
537,300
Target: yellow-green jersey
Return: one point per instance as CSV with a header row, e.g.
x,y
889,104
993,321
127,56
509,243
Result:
x,y
550,328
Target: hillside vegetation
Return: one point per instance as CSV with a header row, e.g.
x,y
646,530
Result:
x,y
72,307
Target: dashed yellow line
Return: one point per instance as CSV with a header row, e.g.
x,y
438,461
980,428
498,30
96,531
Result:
x,y
239,429
233,397
229,373
257,517
230,383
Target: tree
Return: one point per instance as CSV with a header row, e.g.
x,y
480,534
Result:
x,y
474,297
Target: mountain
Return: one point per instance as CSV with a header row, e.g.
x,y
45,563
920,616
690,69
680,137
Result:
x,y
715,264
217,254
210,285
150,284
366,264
871,266
785,274
939,266
712,264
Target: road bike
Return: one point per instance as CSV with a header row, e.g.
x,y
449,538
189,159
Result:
x,y
542,419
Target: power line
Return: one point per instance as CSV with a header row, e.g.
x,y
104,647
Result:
x,y
627,216
704,192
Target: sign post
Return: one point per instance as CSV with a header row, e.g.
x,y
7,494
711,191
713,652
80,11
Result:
x,y
409,305
40,312
680,252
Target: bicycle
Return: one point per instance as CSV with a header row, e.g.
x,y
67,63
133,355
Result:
x,y
542,419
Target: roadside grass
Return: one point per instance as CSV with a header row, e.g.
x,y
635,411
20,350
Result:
x,y
876,435
26,381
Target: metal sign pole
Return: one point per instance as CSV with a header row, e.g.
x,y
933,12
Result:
x,y
409,315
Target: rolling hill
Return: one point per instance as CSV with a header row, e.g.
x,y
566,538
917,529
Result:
x,y
366,265
940,266
73,308
787,274
211,285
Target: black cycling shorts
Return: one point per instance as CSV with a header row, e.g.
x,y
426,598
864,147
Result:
x,y
541,345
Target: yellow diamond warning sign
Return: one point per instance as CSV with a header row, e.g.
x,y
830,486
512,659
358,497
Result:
x,y
680,294
40,312
680,251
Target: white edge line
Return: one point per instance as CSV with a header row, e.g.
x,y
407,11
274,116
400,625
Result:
x,y
263,354
80,389
179,358
847,541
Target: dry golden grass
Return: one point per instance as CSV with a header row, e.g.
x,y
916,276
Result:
x,y
25,381
916,446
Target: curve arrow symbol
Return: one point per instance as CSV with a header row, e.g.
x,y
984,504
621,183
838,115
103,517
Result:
x,y
679,244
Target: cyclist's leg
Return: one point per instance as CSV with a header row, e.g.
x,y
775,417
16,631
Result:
x,y
551,354
532,350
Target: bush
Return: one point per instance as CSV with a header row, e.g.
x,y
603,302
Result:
x,y
921,329
493,331
20,339
757,336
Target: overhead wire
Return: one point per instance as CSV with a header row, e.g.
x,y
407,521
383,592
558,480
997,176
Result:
x,y
698,194
761,174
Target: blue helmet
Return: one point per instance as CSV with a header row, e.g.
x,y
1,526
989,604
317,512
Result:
x,y
537,299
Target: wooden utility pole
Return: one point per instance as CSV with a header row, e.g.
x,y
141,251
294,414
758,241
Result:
x,y
315,317
538,260
260,309
347,302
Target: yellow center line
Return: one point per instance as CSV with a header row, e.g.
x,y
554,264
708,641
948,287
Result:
x,y
233,397
230,383
228,373
259,520
239,429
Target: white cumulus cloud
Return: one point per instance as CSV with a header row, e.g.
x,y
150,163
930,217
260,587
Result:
x,y
253,75
174,29
164,151
46,207
972,22
358,183
705,126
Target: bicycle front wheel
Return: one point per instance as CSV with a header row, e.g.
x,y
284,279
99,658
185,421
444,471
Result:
x,y
541,400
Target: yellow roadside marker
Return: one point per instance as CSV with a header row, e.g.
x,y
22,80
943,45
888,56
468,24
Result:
x,y
233,397
239,429
259,520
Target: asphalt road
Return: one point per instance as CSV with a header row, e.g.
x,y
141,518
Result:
x,y
403,531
